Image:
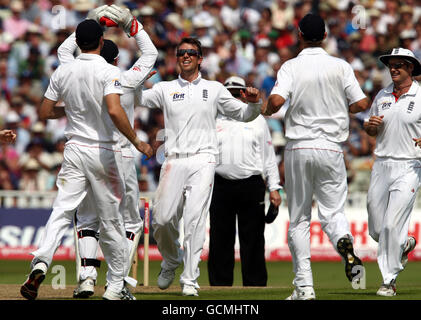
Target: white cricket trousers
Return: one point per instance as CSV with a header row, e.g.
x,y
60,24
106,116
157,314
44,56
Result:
x,y
320,172
98,166
87,216
391,196
184,191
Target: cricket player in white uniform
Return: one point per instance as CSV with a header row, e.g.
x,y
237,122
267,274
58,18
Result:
x,y
90,89
190,105
131,81
322,91
395,178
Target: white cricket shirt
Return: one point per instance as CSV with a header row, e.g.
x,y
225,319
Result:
x,y
245,149
82,85
131,79
401,123
190,110
320,88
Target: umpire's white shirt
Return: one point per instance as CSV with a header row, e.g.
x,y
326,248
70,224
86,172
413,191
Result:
x,y
245,150
83,84
190,110
401,123
319,110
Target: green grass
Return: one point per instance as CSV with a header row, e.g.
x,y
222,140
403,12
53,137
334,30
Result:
x,y
330,282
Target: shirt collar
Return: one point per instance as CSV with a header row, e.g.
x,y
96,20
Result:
x,y
185,82
411,92
314,50
90,56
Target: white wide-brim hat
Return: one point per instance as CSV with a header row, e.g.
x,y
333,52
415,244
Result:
x,y
404,54
235,83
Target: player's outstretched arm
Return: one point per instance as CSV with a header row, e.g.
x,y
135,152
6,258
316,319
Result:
x,y
238,110
120,120
7,136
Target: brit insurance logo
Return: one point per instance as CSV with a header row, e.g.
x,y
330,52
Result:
x,y
177,96
205,95
117,83
386,105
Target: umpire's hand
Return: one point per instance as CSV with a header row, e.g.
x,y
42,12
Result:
x,y
275,198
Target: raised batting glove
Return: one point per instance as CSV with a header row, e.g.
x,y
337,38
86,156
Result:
x,y
124,18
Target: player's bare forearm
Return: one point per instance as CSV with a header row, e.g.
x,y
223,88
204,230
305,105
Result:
x,y
119,117
274,103
359,106
49,110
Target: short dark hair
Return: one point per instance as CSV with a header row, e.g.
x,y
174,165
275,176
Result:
x,y
88,35
109,51
194,42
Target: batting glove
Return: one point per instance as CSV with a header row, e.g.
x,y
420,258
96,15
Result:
x,y
124,18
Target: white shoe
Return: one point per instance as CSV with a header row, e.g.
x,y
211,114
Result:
x,y
189,290
302,293
387,290
165,278
410,245
85,288
124,294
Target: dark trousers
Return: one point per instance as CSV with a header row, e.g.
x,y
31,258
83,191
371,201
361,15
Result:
x,y
243,199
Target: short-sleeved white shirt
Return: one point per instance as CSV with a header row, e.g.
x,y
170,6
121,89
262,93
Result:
x,y
190,110
82,84
245,149
320,88
401,123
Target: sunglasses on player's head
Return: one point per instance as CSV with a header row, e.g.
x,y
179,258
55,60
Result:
x,y
190,52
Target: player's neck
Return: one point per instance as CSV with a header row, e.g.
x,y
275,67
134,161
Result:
x,y
189,76
402,87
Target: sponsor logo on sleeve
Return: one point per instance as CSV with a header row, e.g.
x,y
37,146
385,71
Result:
x,y
117,83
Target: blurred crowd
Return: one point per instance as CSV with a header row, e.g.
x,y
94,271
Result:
x,y
248,38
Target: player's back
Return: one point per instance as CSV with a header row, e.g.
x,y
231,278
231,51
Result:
x,y
320,88
83,84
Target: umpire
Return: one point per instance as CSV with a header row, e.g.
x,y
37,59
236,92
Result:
x,y
246,154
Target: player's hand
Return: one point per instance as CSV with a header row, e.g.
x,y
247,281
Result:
x,y
375,121
251,94
152,73
7,136
275,198
145,148
97,13
124,18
